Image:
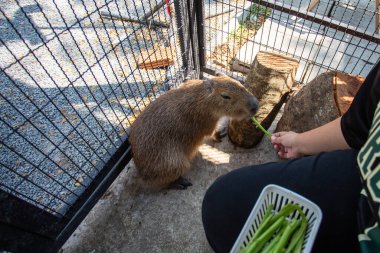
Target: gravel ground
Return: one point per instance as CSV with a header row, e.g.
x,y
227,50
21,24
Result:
x,y
67,92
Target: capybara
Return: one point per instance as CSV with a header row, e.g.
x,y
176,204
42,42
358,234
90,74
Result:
x,y
166,135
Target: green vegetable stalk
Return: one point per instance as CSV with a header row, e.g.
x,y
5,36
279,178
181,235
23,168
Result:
x,y
280,246
262,226
257,123
298,247
297,237
276,234
264,223
270,246
258,244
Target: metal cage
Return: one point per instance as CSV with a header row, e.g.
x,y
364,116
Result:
x,y
75,74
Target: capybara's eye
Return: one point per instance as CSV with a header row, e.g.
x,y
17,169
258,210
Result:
x,y
225,96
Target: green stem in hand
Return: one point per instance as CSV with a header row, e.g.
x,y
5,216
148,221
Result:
x,y
257,123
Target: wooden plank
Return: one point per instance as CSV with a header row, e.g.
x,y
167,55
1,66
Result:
x,y
156,57
311,6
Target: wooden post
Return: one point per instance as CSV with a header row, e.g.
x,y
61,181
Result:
x,y
270,79
322,100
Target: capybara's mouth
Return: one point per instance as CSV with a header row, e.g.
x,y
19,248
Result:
x,y
253,105
244,116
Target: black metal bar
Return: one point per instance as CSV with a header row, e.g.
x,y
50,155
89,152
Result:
x,y
331,9
319,20
178,7
198,19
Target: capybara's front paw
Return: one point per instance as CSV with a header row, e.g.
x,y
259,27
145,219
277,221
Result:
x,y
180,184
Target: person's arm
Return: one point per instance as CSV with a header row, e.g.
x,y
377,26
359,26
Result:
x,y
328,137
349,131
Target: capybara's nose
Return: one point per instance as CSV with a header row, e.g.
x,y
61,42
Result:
x,y
253,104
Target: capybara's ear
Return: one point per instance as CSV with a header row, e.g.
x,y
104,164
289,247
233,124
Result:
x,y
209,83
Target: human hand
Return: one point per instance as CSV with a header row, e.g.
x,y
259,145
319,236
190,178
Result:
x,y
286,145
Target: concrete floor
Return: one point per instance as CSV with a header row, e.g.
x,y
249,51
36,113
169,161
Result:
x,y
131,219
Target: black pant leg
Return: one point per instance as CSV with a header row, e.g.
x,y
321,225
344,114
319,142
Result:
x,y
331,180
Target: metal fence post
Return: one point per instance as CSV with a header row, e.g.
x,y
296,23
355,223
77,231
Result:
x,y
180,19
199,19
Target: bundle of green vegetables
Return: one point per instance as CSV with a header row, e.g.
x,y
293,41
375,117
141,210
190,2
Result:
x,y
277,233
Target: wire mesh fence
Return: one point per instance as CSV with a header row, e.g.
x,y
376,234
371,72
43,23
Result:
x,y
323,35
70,86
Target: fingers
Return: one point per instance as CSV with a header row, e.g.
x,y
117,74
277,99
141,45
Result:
x,y
279,134
278,147
282,143
282,154
276,138
281,150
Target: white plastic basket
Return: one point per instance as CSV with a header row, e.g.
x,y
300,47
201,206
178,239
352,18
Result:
x,y
279,196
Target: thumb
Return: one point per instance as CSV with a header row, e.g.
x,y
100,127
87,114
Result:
x,y
276,138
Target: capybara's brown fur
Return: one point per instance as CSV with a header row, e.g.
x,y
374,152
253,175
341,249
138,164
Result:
x,y
165,137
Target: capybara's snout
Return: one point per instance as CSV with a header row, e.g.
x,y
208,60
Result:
x,y
253,104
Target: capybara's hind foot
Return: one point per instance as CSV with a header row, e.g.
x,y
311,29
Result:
x,y
180,184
